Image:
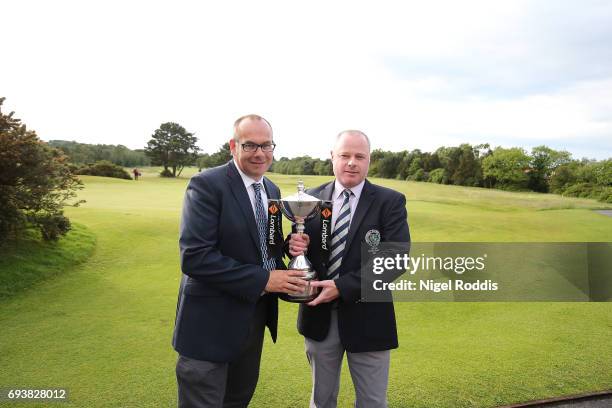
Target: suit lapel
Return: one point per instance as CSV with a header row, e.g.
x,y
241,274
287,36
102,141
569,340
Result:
x,y
365,201
270,190
327,192
243,200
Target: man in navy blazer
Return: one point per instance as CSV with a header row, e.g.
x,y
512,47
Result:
x,y
338,321
227,292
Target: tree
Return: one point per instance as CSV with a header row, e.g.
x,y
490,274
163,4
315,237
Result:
x,y
506,168
431,161
388,165
563,177
603,173
172,146
544,162
375,157
415,170
469,169
449,159
323,167
203,161
35,182
221,156
436,176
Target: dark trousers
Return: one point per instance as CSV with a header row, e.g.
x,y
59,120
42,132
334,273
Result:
x,y
204,384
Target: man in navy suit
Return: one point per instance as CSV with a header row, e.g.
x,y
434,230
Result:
x,y
338,321
227,292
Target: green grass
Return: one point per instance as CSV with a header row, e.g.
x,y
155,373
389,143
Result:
x,y
29,260
103,329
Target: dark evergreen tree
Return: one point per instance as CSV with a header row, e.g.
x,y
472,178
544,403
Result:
x,y
171,146
36,182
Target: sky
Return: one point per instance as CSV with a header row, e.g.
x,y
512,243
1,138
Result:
x,y
410,74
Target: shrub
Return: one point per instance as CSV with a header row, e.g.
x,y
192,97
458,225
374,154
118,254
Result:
x,y
166,173
104,168
52,226
419,175
582,190
436,176
606,195
588,190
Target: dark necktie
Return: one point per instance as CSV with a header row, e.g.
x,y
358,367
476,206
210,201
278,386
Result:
x,y
339,236
260,217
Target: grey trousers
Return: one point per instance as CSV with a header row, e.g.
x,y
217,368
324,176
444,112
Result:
x,y
369,371
206,384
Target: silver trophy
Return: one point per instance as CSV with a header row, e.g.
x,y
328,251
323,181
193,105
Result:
x,y
299,208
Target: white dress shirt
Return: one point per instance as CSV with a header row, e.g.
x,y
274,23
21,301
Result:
x,y
248,183
338,199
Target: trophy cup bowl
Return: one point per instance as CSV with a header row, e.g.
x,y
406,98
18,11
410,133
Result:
x,y
299,208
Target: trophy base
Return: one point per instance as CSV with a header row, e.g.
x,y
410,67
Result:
x,y
297,299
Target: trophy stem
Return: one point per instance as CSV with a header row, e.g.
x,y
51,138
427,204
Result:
x,y
299,225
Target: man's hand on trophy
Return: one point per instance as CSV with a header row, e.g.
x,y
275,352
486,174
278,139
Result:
x,y
286,281
328,293
298,244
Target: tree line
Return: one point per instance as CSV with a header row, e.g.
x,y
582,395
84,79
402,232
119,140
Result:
x,y
542,170
82,153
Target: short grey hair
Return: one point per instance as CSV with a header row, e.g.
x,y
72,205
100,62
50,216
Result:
x,y
354,132
251,116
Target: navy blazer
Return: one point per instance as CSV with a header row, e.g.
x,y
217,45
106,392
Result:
x,y
362,326
221,262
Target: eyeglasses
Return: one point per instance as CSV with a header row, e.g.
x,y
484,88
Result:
x,y
252,147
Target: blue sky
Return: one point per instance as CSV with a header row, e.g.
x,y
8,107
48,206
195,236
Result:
x,y
410,74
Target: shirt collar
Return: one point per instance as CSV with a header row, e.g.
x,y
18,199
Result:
x,y
339,188
248,181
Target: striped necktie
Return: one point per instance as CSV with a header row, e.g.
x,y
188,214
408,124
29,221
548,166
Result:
x,y
260,216
338,241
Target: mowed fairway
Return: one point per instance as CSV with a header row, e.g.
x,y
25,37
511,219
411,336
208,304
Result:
x,y
103,329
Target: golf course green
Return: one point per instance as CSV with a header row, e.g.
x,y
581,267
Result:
x,y
101,326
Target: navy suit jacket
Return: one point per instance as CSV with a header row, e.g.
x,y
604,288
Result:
x,y
362,326
221,262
